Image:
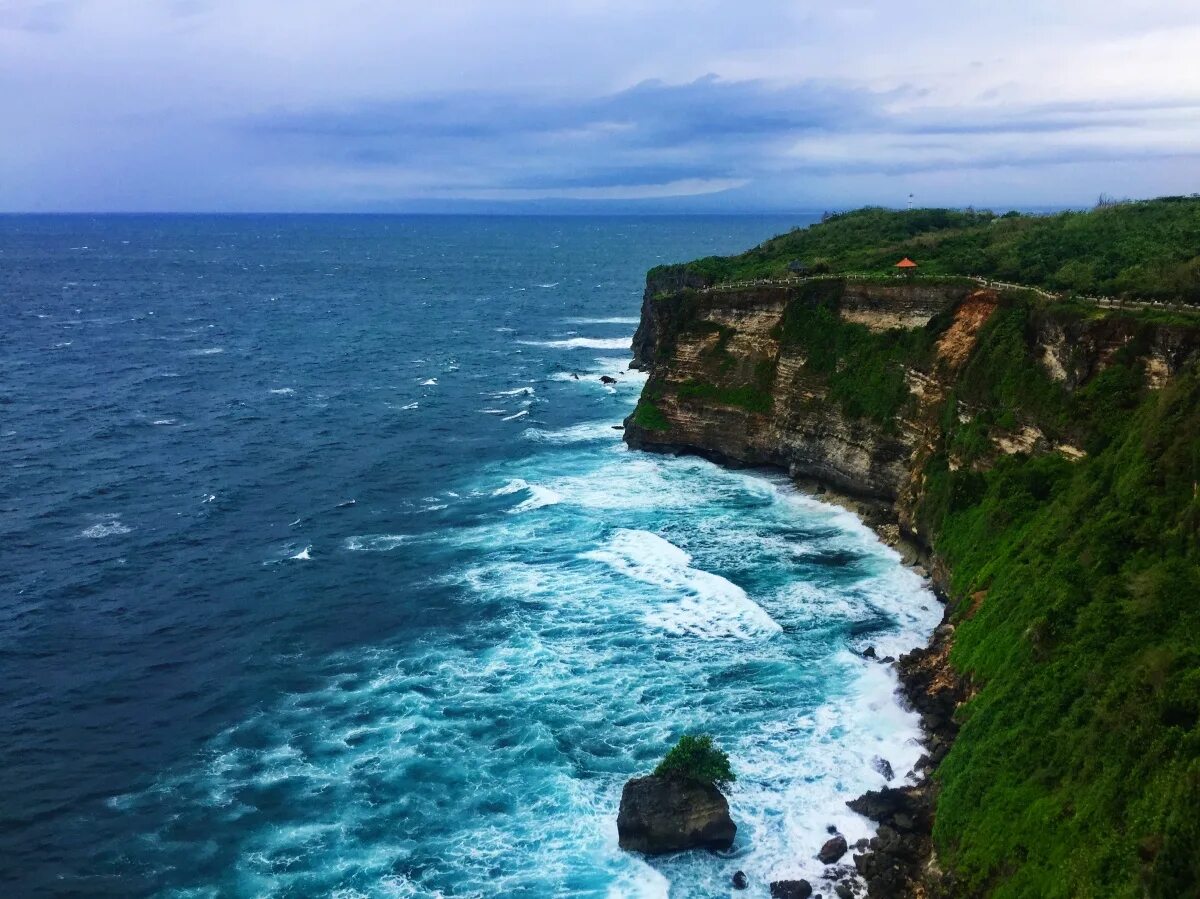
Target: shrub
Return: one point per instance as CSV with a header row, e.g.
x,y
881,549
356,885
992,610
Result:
x,y
695,758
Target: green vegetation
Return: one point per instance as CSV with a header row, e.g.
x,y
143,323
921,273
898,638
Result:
x,y
751,398
695,758
649,416
864,369
1140,249
1077,769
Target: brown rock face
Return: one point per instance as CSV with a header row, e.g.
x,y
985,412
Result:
x,y
725,383
732,339
660,814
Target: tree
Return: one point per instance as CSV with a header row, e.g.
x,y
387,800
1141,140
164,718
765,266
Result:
x,y
695,758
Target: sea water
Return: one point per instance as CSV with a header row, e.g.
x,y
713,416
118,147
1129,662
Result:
x,y
326,573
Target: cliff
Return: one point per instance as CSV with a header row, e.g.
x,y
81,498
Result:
x,y
1046,455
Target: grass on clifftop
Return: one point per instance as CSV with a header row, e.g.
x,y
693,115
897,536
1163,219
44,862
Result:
x,y
1143,249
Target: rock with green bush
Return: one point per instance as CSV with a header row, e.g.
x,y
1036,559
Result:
x,y
680,806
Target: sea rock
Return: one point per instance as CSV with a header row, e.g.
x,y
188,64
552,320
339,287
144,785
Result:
x,y
740,880
665,814
833,849
607,379
869,653
884,767
791,889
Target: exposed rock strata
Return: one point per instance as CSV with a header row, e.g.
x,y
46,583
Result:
x,y
728,339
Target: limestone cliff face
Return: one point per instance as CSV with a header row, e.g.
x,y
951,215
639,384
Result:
x,y
767,376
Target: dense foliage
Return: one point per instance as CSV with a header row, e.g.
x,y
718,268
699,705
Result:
x,y
1077,769
863,369
695,758
1142,249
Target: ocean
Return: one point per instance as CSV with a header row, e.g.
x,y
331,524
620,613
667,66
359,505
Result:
x,y
325,572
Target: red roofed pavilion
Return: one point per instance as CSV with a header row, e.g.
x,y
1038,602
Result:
x,y
906,263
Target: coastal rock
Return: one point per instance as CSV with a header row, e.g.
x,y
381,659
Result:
x,y
884,767
662,814
791,889
833,850
740,881
607,379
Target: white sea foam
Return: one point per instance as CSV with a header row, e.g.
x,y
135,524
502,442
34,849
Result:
x,y
702,604
374,542
515,416
281,391
210,351
303,555
163,421
410,406
551,284
614,320
538,497
494,411
583,343
581,433
516,485
431,382
516,391
111,526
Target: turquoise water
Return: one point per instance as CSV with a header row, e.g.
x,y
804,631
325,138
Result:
x,y
326,572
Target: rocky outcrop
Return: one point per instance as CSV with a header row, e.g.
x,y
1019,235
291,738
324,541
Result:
x,y
834,848
664,814
791,889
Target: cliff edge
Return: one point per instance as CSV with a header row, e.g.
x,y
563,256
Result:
x,y
1044,456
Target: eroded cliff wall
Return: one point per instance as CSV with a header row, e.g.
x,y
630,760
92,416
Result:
x,y
1047,456
850,384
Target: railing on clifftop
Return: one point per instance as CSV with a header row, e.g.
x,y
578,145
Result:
x,y
1106,302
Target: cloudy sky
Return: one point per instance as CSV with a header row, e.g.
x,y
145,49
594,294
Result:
x,y
519,105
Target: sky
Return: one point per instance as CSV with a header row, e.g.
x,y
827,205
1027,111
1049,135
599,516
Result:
x,y
593,105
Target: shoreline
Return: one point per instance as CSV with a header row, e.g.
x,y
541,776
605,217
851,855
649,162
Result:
x,y
899,860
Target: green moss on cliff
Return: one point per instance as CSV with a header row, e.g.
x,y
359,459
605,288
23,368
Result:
x,y
649,416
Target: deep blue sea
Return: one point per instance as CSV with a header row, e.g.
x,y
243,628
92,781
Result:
x,y
323,571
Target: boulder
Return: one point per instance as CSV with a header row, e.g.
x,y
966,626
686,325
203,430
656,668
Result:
x,y
667,814
869,653
607,379
740,881
790,889
884,767
833,849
